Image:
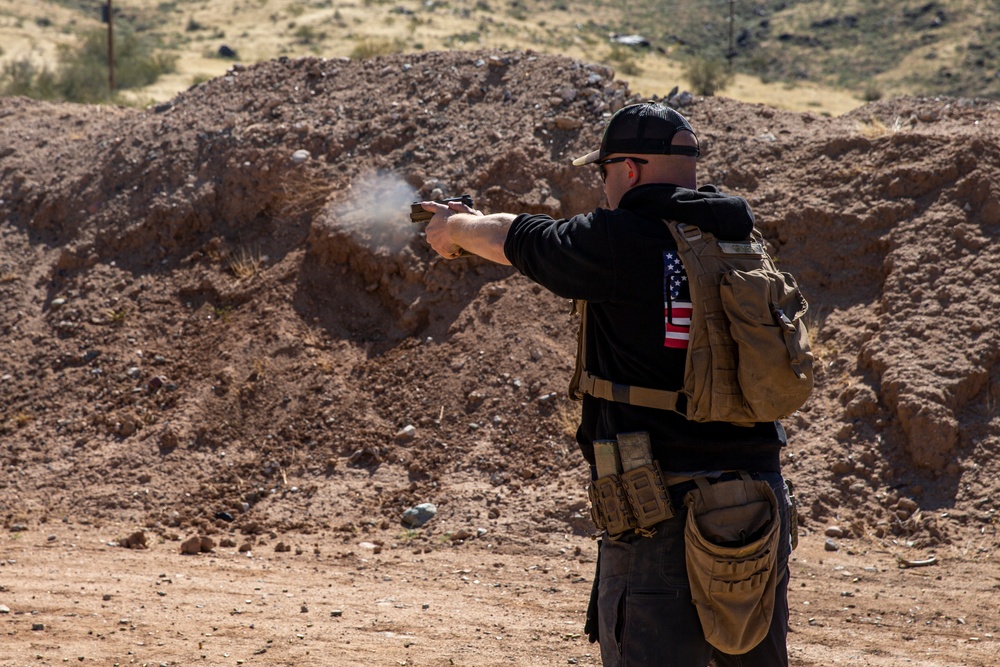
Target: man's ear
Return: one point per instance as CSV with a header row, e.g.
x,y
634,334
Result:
x,y
632,169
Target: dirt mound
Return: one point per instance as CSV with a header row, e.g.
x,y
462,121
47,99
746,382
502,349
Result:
x,y
216,311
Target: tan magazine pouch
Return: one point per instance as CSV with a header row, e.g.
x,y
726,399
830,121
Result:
x,y
731,547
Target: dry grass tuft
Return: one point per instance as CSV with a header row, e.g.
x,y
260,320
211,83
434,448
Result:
x,y
305,191
116,318
245,264
874,128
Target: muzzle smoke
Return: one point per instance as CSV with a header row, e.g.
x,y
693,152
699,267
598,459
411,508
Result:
x,y
376,212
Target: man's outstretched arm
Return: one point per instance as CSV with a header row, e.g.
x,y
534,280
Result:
x,y
456,227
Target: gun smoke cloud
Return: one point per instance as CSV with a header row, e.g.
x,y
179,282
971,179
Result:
x,y
376,212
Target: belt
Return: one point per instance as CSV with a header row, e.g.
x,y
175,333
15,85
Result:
x,y
679,486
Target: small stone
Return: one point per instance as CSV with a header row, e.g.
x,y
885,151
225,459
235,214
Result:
x,y
207,544
136,540
407,434
375,548
300,156
907,505
568,94
127,426
4,609
337,613
830,545
37,627
419,515
834,531
191,545
281,548
567,123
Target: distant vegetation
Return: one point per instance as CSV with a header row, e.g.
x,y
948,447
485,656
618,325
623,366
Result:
x,y
81,74
707,77
872,49
949,47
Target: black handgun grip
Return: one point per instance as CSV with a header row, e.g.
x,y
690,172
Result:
x,y
418,214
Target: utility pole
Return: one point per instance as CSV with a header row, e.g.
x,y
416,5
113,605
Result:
x,y
111,49
732,45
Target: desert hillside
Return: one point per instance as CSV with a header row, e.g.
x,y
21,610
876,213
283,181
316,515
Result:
x,y
218,304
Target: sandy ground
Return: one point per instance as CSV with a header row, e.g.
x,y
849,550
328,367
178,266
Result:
x,y
75,596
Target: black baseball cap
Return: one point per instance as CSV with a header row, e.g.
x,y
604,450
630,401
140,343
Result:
x,y
642,129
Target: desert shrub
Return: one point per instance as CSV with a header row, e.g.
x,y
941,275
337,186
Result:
x,y
24,77
872,92
706,76
472,37
307,35
623,58
372,46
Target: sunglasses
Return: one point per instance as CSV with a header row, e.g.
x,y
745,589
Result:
x,y
604,174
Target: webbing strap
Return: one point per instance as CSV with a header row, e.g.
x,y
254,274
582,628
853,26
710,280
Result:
x,y
583,382
660,399
575,391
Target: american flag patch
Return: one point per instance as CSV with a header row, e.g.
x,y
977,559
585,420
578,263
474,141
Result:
x,y
676,302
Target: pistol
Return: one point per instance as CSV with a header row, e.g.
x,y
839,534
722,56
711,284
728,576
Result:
x,y
418,214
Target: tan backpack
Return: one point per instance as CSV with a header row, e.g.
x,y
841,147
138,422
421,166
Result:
x,y
748,357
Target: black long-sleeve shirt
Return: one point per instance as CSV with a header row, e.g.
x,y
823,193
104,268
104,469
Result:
x,y
619,262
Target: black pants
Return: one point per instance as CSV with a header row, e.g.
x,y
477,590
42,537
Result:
x,y
646,614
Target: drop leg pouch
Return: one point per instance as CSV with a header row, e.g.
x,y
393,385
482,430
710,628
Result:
x,y
731,548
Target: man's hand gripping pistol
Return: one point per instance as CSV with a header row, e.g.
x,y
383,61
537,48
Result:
x,y
419,215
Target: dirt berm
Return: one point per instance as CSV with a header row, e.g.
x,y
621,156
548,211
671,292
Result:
x,y
216,315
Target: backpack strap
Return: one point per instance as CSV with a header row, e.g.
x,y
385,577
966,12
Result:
x,y
575,391
585,383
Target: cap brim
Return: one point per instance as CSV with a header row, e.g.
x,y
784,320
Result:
x,y
588,158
